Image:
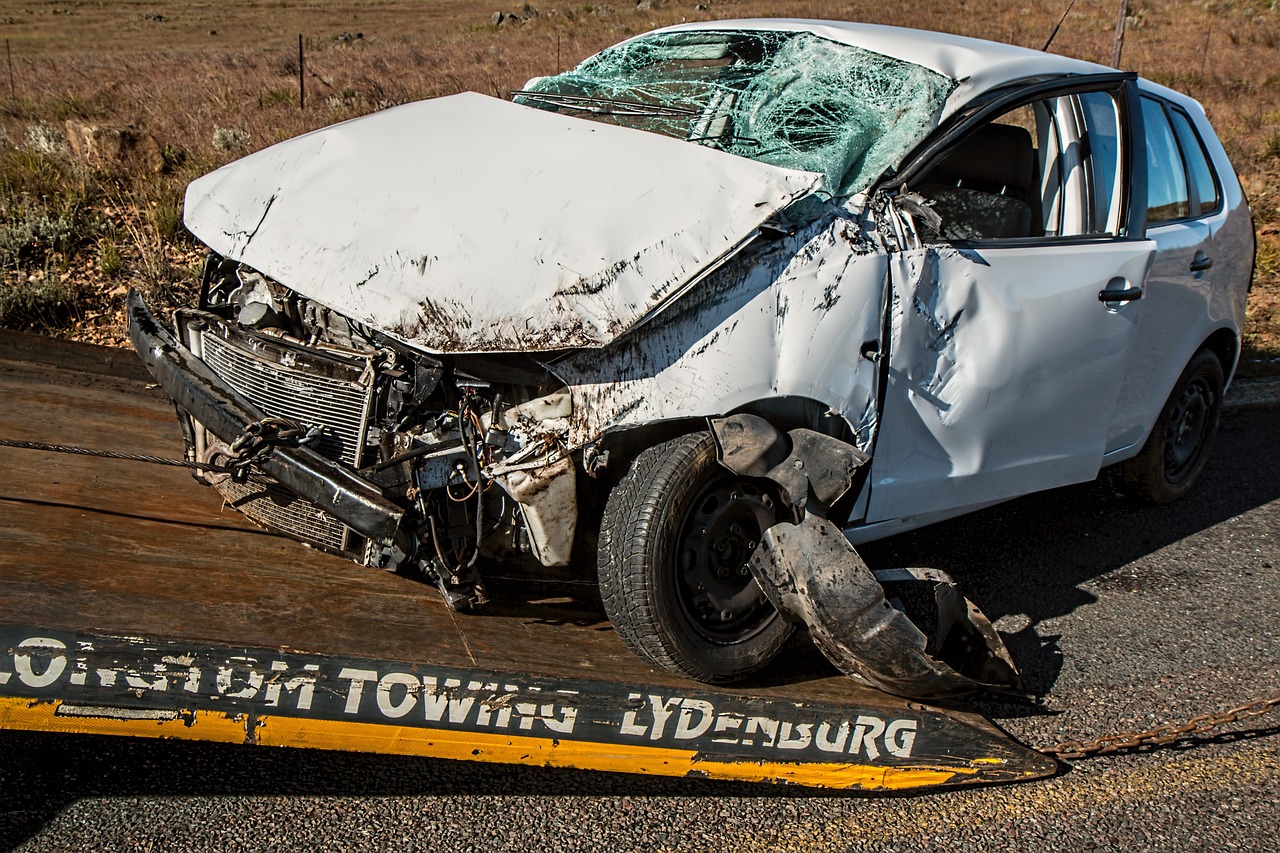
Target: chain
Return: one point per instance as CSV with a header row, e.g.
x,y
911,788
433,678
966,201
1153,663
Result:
x,y
1163,734
257,438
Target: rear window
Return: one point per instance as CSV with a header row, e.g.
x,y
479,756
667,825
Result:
x,y
1181,183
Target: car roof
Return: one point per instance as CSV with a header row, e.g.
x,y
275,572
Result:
x,y
976,65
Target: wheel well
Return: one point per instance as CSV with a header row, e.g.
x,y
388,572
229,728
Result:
x,y
624,445
785,413
1224,345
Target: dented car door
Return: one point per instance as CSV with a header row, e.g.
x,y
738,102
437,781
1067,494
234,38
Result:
x,y
1012,326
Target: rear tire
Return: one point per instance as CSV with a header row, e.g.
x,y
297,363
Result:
x,y
1178,447
674,541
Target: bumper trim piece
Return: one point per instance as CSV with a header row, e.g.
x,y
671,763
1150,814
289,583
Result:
x,y
354,501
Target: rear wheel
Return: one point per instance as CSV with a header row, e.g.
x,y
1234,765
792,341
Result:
x,y
676,535
1179,444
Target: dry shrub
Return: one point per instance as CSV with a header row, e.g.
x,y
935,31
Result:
x,y
211,98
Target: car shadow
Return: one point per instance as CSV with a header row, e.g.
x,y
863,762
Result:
x,y
1031,559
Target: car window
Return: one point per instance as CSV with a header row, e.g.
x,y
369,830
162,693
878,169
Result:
x,y
1102,161
1167,195
1204,185
1050,168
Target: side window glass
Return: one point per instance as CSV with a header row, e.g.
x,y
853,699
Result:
x,y
1102,162
1204,189
989,187
1167,195
1050,168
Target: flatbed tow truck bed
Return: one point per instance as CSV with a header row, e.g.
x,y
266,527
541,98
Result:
x,y
132,602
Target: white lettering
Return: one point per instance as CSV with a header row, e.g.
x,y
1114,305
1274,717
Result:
x,y
435,701
192,684
355,692
685,727
864,736
52,670
227,677
803,736
900,737
765,726
497,704
304,685
629,724
725,723
824,741
662,711
569,718
136,679
386,704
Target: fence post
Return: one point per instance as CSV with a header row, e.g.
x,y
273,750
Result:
x,y
1124,14
302,87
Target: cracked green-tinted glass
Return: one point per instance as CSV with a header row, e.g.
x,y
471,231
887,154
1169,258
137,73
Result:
x,y
790,99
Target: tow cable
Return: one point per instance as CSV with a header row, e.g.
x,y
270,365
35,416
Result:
x,y
261,436
257,439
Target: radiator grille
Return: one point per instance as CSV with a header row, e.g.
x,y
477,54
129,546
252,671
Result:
x,y
268,503
338,406
308,387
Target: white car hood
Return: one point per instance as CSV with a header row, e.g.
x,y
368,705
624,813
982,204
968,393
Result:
x,y
470,224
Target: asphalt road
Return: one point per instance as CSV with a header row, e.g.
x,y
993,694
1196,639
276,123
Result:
x,y
1121,616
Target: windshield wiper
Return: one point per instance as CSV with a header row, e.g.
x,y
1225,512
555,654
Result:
x,y
605,106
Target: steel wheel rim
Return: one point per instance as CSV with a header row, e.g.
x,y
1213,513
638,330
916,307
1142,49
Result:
x,y
1186,427
718,595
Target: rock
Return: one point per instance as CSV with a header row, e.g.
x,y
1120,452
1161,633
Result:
x,y
104,146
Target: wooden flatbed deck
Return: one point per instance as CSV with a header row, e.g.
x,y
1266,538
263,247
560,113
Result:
x,y
141,563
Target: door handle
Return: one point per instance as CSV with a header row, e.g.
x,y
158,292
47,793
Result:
x,y
1201,262
1129,294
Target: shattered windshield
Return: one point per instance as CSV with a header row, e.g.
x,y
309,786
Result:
x,y
789,99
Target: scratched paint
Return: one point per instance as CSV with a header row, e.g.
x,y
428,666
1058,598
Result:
x,y
559,233
789,318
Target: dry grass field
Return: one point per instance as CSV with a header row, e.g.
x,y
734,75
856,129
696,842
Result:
x,y
177,87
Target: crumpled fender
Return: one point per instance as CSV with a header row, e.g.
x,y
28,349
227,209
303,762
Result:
x,y
805,464
812,574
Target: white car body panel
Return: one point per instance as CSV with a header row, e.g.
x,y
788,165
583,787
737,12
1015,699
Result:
x,y
786,322
467,224
1002,374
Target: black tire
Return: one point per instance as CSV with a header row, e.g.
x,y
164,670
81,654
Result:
x,y
674,540
1179,444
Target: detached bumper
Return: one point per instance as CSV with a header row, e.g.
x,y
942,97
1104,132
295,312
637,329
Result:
x,y
338,491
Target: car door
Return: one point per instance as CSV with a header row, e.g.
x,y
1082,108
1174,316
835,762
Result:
x,y
1184,203
1011,325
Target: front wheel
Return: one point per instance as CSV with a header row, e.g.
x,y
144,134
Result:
x,y
675,538
1179,444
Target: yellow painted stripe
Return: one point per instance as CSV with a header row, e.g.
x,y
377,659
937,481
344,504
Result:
x,y
30,715
472,746
548,752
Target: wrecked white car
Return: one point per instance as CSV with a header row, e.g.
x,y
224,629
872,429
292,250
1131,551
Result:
x,y
709,308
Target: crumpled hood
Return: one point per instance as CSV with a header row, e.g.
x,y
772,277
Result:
x,y
471,224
